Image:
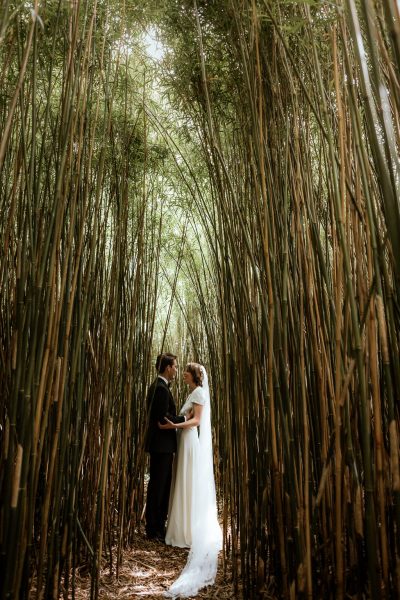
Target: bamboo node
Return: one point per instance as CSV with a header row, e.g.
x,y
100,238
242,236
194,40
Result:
x,y
17,477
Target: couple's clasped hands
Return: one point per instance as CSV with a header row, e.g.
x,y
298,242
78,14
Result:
x,y
170,425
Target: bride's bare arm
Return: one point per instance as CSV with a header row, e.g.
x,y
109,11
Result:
x,y
194,421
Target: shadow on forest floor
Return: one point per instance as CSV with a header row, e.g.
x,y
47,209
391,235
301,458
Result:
x,y
147,570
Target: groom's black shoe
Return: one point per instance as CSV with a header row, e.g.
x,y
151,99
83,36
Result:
x,y
156,537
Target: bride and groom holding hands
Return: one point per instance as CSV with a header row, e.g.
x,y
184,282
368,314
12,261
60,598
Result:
x,y
181,490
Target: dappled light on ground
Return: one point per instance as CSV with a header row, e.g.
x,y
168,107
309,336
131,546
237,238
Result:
x,y
147,570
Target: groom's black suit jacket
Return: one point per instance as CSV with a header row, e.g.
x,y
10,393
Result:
x,y
160,404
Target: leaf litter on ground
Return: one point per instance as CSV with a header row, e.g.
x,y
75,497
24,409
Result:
x,y
148,569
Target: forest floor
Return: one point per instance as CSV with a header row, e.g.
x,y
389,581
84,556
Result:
x,y
147,570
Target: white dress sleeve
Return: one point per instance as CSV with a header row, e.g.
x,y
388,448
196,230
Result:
x,y
198,396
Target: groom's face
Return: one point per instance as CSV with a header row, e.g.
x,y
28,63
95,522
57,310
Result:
x,y
172,370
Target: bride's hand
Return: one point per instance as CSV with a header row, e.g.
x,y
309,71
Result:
x,y
168,424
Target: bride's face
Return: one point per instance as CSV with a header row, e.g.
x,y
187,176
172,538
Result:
x,y
187,377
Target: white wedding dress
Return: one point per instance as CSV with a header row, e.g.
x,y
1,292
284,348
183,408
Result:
x,y
192,520
182,506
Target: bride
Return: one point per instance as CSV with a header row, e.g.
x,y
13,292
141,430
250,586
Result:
x,y
192,520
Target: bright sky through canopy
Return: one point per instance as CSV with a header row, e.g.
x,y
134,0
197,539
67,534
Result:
x,y
154,47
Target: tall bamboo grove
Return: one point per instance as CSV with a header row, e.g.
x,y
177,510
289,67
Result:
x,y
79,231
297,105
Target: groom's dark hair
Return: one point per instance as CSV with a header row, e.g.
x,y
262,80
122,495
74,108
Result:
x,y
164,360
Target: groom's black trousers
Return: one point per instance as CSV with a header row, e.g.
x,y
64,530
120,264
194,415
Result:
x,y
158,492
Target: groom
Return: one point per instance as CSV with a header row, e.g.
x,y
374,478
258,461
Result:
x,y
161,444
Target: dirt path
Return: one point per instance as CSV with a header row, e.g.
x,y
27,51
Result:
x,y
147,571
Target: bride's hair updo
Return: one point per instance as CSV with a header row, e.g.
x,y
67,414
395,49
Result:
x,y
195,371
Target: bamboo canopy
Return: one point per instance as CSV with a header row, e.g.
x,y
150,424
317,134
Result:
x,y
237,202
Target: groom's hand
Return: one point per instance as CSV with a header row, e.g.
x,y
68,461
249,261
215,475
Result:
x,y
167,425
